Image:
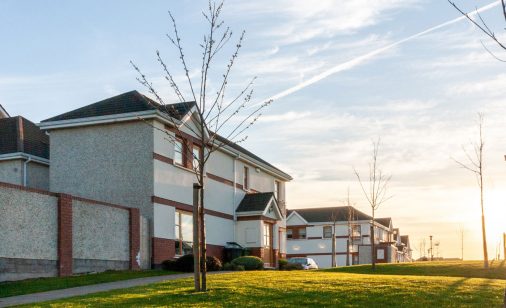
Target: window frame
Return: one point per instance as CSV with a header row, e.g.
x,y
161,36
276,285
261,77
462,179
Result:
x,y
179,235
329,235
194,160
277,189
181,151
245,178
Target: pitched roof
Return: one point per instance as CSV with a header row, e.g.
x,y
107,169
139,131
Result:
x,y
127,102
255,202
325,214
384,221
18,134
133,101
3,113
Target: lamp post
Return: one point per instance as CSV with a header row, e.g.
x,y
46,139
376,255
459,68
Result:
x,y
431,251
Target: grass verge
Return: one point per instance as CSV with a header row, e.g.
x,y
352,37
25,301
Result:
x,y
469,269
56,283
303,288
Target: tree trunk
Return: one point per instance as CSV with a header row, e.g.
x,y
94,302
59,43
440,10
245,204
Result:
x,y
334,246
348,252
196,227
373,244
203,249
483,231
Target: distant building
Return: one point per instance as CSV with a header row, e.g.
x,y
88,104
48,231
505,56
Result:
x,y
24,152
309,234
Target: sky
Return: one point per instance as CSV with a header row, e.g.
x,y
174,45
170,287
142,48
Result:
x,y
421,97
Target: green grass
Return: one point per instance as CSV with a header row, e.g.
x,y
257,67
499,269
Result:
x,y
55,283
303,288
468,269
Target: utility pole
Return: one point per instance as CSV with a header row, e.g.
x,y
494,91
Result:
x,y
504,244
431,251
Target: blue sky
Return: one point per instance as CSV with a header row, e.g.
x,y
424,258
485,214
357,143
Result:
x,y
421,97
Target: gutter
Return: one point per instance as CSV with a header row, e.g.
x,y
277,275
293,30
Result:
x,y
24,156
25,171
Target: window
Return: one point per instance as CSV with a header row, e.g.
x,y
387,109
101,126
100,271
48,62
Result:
x,y
356,231
197,156
277,186
327,232
302,233
246,178
184,233
178,151
289,233
267,235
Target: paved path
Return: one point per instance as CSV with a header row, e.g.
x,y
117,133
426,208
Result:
x,y
65,293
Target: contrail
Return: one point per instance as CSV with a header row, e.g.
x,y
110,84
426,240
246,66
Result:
x,y
358,60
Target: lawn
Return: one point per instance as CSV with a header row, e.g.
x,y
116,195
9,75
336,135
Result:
x,y
54,283
469,269
304,288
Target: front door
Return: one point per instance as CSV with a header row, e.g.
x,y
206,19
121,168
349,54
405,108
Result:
x,y
268,252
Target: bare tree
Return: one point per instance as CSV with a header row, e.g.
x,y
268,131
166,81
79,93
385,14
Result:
x,y
375,191
219,120
461,233
483,27
475,165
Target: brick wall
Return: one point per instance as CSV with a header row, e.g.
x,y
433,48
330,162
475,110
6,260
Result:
x,y
27,243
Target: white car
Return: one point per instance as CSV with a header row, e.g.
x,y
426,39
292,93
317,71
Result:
x,y
307,263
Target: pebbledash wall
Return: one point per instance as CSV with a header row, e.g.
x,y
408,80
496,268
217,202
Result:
x,y
47,234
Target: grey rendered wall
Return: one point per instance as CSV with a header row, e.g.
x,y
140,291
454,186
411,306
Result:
x,y
364,254
38,176
11,171
111,163
28,237
100,237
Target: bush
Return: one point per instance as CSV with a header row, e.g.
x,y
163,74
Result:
x,y
293,267
213,264
185,264
250,263
282,263
169,265
233,267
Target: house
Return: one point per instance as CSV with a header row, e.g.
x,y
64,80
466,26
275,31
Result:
x,y
24,152
309,234
115,151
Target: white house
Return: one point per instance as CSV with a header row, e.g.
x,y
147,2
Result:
x,y
115,151
310,232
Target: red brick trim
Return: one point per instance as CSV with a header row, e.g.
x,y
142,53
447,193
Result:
x,y
256,217
215,251
135,237
64,235
163,249
315,238
188,208
162,158
299,226
220,179
96,202
33,190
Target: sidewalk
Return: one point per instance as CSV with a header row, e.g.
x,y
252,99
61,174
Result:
x,y
65,293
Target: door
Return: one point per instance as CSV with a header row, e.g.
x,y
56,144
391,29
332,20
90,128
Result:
x,y
268,251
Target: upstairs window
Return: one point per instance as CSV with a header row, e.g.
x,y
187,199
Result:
x,y
302,233
289,233
178,151
277,186
327,232
245,182
197,156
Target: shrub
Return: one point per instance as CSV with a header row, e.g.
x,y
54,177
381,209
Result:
x,y
169,265
185,264
232,267
293,267
250,263
213,264
282,263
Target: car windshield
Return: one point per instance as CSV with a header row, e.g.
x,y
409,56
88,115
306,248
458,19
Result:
x,y
302,261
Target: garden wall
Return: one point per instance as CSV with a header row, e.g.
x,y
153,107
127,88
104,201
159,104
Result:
x,y
45,234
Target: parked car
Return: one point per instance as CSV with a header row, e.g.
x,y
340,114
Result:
x,y
307,263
